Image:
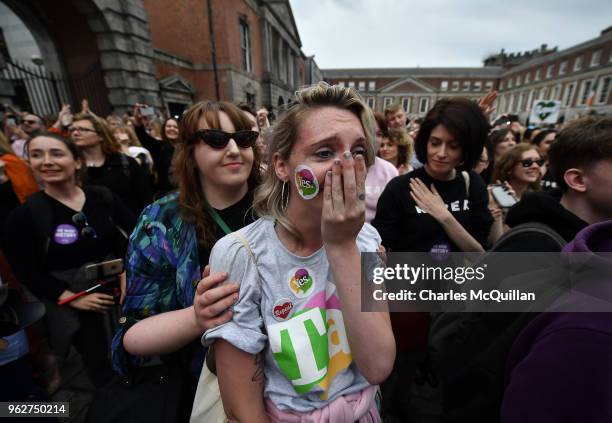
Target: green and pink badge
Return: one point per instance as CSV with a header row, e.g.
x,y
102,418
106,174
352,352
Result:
x,y
306,183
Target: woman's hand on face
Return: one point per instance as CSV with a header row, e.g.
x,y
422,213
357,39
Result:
x,y
212,303
344,196
428,200
94,302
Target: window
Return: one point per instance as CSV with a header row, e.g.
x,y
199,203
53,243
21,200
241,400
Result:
x,y
489,86
423,104
549,71
341,84
511,103
501,85
544,93
371,85
521,102
563,67
466,85
455,86
250,100
371,102
388,101
537,75
509,83
444,86
585,91
361,85
568,96
245,45
556,91
530,100
351,84
406,104
595,58
578,63
527,78
603,89
518,81
477,86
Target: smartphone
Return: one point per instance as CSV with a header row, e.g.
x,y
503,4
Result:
x,y
66,119
147,111
11,121
103,270
503,197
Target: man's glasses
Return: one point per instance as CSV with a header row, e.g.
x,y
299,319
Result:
x,y
30,122
76,128
87,231
529,162
219,139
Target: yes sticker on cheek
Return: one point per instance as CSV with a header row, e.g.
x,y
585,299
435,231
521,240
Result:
x,y
306,182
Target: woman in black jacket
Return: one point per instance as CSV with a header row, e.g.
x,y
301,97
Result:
x,y
107,166
162,150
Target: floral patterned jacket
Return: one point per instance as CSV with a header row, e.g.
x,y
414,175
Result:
x,y
163,270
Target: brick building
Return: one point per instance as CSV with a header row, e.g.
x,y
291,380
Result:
x,y
165,54
579,76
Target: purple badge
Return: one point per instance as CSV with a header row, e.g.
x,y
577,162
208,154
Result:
x,y
440,251
66,234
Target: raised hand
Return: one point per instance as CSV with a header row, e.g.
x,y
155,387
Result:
x,y
486,104
343,213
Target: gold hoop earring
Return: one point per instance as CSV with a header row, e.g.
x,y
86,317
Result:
x,y
284,203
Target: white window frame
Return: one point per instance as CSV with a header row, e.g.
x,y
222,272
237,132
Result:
x,y
563,67
489,86
351,84
387,101
372,102
530,99
340,84
537,75
467,85
371,85
501,85
517,81
444,86
527,78
406,103
549,71
521,102
245,45
585,89
595,59
600,90
421,108
510,83
578,61
477,86
455,86
361,85
556,92
568,94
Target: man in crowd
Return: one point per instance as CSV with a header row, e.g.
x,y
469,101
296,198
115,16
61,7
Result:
x,y
396,117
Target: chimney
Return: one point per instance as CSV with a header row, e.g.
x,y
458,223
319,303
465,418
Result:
x,y
543,48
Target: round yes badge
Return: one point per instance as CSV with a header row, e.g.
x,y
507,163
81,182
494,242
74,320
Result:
x,y
440,251
301,282
306,183
65,234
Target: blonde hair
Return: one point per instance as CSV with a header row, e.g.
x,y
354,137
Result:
x,y
132,138
268,197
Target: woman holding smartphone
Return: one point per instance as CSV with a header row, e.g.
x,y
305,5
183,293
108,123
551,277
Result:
x,y
54,235
298,347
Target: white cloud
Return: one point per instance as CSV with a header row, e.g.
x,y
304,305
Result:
x,y
397,33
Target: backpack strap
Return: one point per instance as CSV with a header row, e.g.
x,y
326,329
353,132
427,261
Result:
x,y
466,179
42,214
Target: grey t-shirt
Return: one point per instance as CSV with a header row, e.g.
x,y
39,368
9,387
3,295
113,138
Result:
x,y
308,361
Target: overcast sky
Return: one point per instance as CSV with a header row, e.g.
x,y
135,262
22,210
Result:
x,y
432,33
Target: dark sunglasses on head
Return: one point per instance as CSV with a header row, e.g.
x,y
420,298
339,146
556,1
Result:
x,y
219,139
529,162
87,231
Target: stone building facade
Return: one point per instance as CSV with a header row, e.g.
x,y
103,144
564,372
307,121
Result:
x,y
164,54
580,77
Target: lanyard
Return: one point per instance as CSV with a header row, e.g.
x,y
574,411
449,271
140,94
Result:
x,y
218,219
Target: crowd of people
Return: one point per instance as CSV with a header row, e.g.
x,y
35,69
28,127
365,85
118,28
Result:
x,y
226,242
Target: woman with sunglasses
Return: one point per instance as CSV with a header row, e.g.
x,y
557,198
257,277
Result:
x,y
298,347
518,170
82,225
217,168
105,165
